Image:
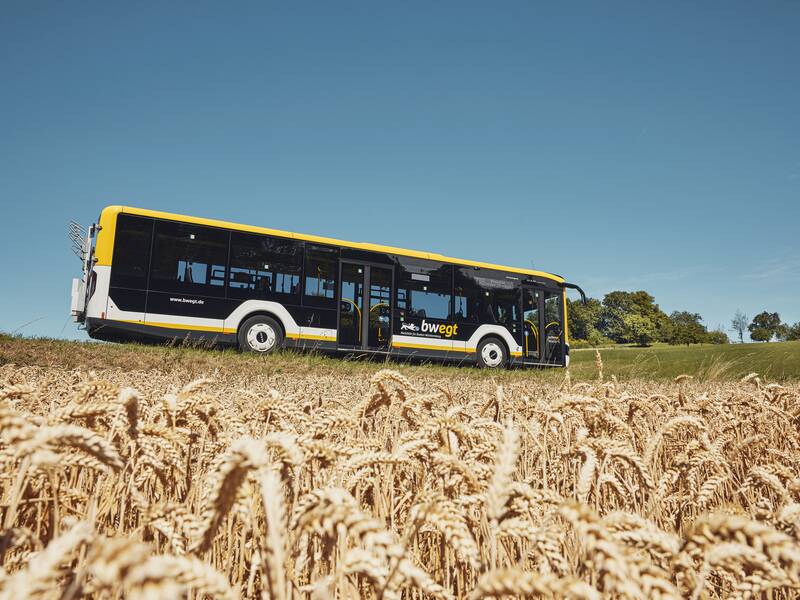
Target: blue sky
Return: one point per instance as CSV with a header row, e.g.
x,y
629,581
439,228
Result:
x,y
624,145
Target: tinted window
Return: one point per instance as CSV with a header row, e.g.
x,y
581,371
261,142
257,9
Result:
x,y
322,266
424,288
530,321
486,296
131,252
189,259
553,327
265,267
552,313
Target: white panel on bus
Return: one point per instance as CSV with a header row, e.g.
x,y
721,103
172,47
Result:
x,y
233,320
496,330
317,334
96,307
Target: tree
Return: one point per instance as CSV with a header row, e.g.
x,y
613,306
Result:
x,y
663,326
760,335
792,332
739,324
639,329
583,319
686,328
765,326
611,323
616,305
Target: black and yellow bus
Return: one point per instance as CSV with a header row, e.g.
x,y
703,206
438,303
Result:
x,y
151,274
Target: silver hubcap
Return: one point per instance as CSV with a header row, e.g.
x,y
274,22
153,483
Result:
x,y
261,337
492,354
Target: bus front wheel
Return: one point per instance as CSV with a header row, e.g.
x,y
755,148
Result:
x,y
492,354
260,334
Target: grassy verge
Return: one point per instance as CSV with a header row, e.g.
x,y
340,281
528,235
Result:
x,y
777,361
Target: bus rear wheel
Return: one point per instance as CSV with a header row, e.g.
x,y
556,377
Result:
x,y
492,354
260,334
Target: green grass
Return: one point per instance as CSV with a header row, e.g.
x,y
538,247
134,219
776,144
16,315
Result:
x,y
47,352
774,361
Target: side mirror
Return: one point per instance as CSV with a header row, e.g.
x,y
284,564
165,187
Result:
x,y
572,286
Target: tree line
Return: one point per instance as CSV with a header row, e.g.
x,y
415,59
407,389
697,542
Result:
x,y
764,327
635,318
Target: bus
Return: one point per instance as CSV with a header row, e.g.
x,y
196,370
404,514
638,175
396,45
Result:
x,y
149,274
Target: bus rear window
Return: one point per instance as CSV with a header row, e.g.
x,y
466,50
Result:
x,y
131,252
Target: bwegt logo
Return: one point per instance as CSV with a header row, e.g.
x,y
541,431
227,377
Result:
x,y
441,329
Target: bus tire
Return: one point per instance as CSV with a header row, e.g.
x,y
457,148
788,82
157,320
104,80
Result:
x,y
492,353
260,334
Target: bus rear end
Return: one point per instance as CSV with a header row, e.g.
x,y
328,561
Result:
x,y
83,287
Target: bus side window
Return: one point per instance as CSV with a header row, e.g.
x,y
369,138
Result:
x,y
486,296
424,288
321,268
506,306
189,259
460,308
264,267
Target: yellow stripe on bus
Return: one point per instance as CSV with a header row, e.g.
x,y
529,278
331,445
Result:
x,y
309,336
431,347
180,326
424,347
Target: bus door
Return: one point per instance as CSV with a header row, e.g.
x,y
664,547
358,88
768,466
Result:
x,y
532,323
553,331
364,306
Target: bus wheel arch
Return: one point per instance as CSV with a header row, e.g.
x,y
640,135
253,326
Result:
x,y
260,332
492,352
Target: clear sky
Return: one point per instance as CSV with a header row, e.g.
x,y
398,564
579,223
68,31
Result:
x,y
624,145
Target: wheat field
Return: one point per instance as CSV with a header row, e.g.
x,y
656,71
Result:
x,y
146,484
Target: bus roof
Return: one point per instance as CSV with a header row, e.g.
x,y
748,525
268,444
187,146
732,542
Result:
x,y
104,249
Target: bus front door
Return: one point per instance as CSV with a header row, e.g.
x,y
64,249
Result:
x,y
365,306
553,331
532,323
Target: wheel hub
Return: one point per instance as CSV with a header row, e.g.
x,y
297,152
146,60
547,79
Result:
x,y
492,354
261,337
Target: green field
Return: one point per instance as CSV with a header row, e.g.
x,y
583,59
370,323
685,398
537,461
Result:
x,y
774,361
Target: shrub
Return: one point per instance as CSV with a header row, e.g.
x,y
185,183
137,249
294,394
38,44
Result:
x,y
639,329
596,340
717,337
